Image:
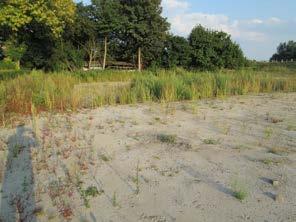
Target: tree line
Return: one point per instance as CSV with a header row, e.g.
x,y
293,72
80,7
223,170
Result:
x,y
59,35
286,51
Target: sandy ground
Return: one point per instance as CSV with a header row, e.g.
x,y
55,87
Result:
x,y
154,162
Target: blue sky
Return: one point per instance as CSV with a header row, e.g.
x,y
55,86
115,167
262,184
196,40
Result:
x,y
257,25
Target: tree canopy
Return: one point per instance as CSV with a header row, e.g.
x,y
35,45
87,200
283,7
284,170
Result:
x,y
285,51
214,49
61,34
16,14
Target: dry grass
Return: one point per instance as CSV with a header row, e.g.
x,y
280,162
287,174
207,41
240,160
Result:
x,y
72,91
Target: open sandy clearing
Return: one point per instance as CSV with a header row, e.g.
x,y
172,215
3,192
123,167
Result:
x,y
188,161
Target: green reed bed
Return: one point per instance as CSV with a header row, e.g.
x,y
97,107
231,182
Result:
x,y
72,91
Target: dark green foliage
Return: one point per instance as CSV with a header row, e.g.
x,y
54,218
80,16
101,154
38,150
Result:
x,y
117,30
7,65
214,50
177,52
40,44
145,28
107,16
66,57
286,51
11,74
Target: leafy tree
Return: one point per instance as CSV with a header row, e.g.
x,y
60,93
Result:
x,y
16,14
177,52
36,23
65,56
83,28
214,50
14,51
107,15
285,51
92,50
144,29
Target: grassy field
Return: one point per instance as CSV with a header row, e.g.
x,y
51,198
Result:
x,y
71,91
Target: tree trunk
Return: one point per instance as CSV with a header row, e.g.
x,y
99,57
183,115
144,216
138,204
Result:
x,y
105,52
139,60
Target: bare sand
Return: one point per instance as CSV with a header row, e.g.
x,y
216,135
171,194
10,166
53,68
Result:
x,y
185,161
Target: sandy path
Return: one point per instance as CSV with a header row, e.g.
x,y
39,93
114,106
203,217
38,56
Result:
x,y
156,162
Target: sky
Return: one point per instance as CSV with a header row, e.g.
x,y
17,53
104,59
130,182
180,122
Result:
x,y
257,25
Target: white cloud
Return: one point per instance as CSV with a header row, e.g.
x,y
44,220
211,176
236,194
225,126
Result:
x,y
182,24
274,21
258,37
175,4
255,21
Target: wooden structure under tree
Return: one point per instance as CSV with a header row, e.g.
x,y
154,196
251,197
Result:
x,y
120,65
111,65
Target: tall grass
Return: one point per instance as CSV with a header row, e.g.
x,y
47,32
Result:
x,y
71,91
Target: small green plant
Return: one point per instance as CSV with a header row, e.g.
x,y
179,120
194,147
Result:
x,y
105,158
211,141
16,149
268,133
241,147
137,179
164,138
278,150
291,127
240,190
114,200
91,191
274,161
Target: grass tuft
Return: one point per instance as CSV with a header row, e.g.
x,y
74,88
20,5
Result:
x,y
164,138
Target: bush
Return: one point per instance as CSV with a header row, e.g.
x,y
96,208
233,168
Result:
x,y
7,64
214,50
66,57
11,74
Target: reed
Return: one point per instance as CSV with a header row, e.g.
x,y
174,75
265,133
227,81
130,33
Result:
x,y
71,91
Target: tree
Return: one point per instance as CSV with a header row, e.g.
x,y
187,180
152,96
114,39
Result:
x,y
16,14
92,49
107,15
144,29
285,51
65,56
14,51
36,23
214,50
177,52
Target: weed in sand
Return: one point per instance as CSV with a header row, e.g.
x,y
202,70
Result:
x,y
34,120
211,141
273,161
16,149
268,133
241,147
137,179
279,150
90,191
164,138
240,190
105,158
114,200
291,127
192,108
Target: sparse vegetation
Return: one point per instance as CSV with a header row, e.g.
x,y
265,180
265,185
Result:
x,y
165,138
105,158
114,200
65,91
240,190
279,150
268,133
211,141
